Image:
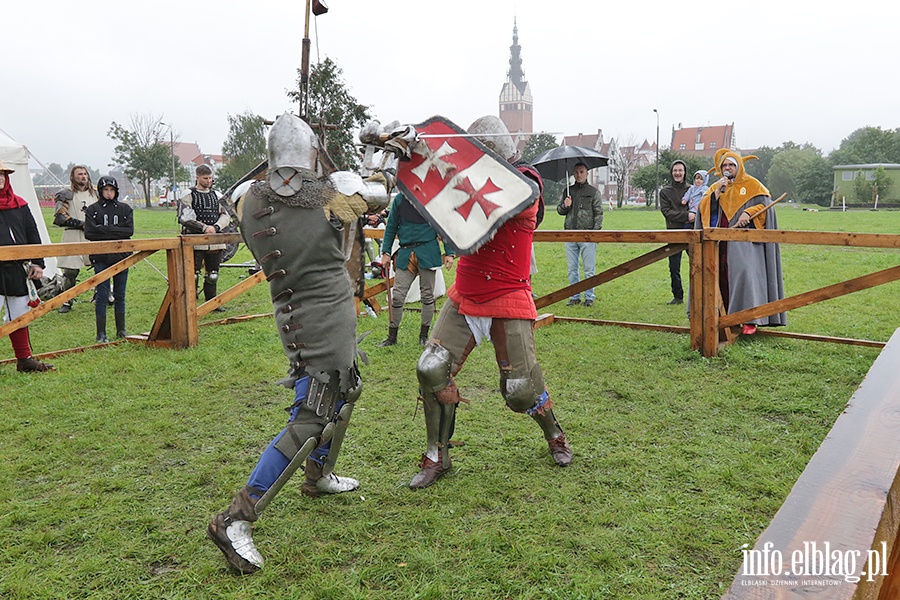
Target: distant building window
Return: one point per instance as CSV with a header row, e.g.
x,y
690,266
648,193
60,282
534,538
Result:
x,y
712,145
870,175
846,175
698,146
681,147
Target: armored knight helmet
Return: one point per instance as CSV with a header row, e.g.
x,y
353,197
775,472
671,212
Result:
x,y
498,139
293,153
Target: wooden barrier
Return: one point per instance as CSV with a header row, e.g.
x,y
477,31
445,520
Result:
x,y
841,521
710,328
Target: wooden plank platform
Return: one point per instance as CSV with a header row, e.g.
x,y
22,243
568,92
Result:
x,y
844,510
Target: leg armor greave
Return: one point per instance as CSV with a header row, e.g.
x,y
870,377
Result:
x,y
439,396
337,429
69,276
529,395
305,432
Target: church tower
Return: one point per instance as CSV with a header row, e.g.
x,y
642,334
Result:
x,y
516,104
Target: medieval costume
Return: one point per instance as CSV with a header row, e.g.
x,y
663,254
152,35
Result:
x,y
294,223
490,299
418,256
17,227
198,209
749,272
69,214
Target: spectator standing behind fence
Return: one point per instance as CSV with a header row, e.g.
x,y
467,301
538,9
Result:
x,y
199,211
70,205
107,220
749,272
418,256
583,209
676,214
17,228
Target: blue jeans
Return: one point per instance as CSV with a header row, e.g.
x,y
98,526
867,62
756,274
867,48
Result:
x,y
119,280
587,252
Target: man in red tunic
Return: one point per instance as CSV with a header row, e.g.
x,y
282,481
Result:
x,y
491,299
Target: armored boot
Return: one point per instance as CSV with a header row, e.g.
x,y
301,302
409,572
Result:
x,y
120,325
69,276
209,292
230,531
553,433
391,338
439,395
318,485
423,335
101,328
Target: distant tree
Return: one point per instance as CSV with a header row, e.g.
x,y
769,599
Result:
x,y
868,145
760,168
141,151
330,103
244,148
538,144
815,183
621,167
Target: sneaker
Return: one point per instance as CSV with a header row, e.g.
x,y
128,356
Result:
x,y
332,484
235,541
748,329
676,301
32,365
430,472
66,307
218,309
573,301
560,451
588,303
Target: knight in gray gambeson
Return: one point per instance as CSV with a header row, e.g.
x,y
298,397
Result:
x,y
296,224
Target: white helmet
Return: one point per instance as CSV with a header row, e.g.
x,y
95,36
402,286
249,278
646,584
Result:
x,y
292,148
499,139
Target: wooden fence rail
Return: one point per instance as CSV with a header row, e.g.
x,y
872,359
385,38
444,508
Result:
x,y
710,327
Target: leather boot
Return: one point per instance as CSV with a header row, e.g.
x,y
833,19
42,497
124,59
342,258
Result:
x,y
423,335
120,325
101,329
32,365
391,338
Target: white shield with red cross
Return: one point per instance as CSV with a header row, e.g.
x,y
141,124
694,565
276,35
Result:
x,y
465,191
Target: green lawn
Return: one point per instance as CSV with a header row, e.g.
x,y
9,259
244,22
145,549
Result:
x,y
114,463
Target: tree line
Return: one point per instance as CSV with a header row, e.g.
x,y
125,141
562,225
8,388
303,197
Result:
x,y
800,171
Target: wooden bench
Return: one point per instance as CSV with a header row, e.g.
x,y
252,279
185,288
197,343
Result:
x,y
843,510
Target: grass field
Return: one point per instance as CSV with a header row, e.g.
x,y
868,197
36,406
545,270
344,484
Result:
x,y
114,463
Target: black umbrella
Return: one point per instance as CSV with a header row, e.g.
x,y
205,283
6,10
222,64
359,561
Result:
x,y
556,164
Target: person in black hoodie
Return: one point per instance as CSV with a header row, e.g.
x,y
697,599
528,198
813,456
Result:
x,y
106,220
18,227
676,215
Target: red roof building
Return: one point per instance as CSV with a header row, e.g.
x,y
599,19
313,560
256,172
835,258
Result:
x,y
702,141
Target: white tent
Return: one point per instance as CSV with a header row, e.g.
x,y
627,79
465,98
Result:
x,y
15,156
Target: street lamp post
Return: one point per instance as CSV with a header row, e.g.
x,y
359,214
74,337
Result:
x,y
172,149
656,192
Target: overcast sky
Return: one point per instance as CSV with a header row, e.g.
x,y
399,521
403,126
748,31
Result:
x,y
779,70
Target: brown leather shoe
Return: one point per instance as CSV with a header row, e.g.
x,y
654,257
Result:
x,y
32,365
560,451
430,471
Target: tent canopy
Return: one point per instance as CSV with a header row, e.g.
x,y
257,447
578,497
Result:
x,y
15,156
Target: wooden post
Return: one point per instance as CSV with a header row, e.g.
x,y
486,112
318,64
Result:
x,y
183,310
695,293
711,299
